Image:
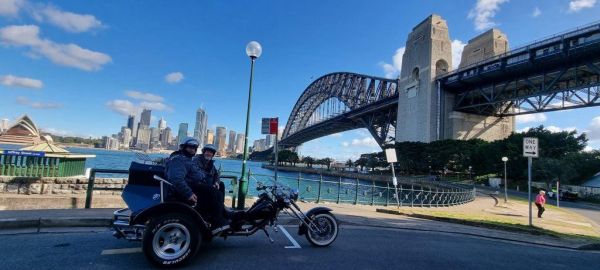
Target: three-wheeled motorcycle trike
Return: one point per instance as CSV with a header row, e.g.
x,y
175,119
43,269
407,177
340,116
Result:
x,y
171,232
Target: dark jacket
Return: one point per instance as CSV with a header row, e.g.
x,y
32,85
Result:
x,y
182,174
208,168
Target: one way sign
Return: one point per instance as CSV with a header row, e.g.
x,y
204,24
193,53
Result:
x,y
530,147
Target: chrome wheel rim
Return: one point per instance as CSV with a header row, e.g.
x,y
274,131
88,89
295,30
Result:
x,y
171,241
325,230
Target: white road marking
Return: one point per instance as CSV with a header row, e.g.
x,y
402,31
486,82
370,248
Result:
x,y
121,251
287,234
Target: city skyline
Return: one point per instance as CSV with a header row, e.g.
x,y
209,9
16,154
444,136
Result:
x,y
204,59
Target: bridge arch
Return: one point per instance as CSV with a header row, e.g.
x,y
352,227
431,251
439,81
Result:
x,y
348,94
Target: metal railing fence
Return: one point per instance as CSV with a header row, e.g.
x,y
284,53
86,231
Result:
x,y
413,192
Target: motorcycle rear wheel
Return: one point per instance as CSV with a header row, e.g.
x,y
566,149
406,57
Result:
x,y
328,230
171,240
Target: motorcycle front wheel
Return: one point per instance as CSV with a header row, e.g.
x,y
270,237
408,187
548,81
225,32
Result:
x,y
324,231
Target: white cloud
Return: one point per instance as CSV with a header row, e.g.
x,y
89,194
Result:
x,y
37,105
144,96
483,13
393,70
10,8
577,5
336,135
457,50
126,107
174,77
588,149
70,55
531,118
14,81
69,21
157,106
123,107
536,12
593,131
345,144
555,129
366,141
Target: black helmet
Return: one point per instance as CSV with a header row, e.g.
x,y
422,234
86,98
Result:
x,y
189,141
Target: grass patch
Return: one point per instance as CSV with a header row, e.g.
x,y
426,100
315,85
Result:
x,y
491,223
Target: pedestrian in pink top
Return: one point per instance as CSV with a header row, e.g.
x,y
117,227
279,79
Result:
x,y
540,201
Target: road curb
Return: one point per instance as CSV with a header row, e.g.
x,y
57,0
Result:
x,y
16,223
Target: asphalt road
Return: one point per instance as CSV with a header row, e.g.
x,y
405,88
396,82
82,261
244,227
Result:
x,y
355,248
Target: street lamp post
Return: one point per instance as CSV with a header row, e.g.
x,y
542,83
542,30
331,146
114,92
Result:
x,y
505,159
253,50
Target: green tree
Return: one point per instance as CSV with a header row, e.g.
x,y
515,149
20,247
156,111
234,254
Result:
x,y
309,161
349,163
361,163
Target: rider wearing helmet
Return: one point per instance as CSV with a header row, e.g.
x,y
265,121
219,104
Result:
x,y
189,184
207,165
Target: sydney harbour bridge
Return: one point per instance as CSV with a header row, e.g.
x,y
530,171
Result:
x,y
558,73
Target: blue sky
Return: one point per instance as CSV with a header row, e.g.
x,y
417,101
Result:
x,y
78,67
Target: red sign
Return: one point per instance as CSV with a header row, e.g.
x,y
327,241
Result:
x,y
273,125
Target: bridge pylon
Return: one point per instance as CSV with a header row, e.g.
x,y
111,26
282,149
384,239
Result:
x,y
424,110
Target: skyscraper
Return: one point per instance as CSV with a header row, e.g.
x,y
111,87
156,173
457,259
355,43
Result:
x,y
210,137
182,133
221,140
270,140
145,118
231,144
166,137
154,134
239,144
126,138
200,128
131,121
162,124
143,138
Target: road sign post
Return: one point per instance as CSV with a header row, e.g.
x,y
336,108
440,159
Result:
x,y
530,150
390,155
271,126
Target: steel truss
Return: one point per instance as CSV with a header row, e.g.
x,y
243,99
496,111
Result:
x,y
569,87
558,73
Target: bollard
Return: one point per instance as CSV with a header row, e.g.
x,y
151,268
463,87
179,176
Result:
x,y
339,189
356,195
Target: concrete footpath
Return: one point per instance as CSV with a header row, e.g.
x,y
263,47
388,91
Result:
x,y
32,221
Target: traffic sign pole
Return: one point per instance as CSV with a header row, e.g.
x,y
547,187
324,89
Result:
x,y
530,150
390,155
529,187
